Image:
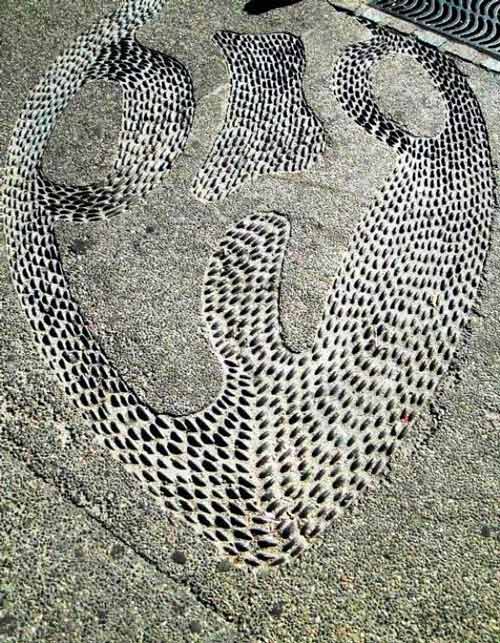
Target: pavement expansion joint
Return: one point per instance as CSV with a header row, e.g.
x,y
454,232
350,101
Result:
x,y
177,556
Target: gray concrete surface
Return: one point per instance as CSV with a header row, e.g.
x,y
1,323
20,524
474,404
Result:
x,y
84,554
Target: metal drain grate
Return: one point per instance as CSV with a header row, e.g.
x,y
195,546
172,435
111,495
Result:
x,y
472,22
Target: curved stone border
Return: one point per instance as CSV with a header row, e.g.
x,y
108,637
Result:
x,y
268,125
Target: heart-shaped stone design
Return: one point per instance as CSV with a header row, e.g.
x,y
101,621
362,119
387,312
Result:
x,y
292,439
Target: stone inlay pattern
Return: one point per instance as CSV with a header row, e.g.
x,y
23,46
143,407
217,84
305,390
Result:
x,y
268,126
293,439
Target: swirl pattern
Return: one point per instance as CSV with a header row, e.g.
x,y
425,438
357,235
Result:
x,y
292,440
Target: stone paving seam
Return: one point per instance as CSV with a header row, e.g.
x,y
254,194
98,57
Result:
x,y
37,473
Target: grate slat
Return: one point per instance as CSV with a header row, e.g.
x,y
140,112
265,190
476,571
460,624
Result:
x,y
472,22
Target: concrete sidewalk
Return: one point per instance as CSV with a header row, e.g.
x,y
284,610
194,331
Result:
x,y
84,553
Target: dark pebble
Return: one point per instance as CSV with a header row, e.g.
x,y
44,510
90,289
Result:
x,y
117,551
150,229
102,617
486,531
8,625
277,610
3,596
179,557
195,627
